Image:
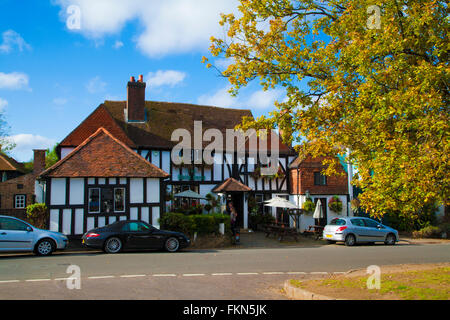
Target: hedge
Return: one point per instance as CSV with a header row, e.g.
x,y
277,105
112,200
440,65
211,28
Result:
x,y
189,224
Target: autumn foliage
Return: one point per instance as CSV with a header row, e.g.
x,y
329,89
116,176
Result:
x,y
368,80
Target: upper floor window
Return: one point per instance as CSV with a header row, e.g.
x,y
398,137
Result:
x,y
20,201
320,179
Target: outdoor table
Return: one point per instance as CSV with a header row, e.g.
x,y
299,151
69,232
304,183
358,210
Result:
x,y
281,231
314,230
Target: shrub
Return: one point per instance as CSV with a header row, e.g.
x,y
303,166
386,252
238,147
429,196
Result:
x,y
174,221
203,224
38,215
428,232
424,217
335,204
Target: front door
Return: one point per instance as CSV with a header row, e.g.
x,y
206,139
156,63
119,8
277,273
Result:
x,y
238,203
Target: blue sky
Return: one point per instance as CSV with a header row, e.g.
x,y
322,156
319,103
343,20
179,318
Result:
x,y
52,77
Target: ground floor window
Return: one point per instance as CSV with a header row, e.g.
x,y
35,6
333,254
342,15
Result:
x,y
106,200
94,200
20,201
119,199
260,198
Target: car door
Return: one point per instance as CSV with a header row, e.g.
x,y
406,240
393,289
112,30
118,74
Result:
x,y
359,228
140,236
375,231
14,235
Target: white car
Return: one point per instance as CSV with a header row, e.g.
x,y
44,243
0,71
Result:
x,y
18,235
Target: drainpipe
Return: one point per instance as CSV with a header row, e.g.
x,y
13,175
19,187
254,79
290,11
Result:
x,y
349,179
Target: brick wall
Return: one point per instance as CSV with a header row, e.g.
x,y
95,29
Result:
x,y
302,179
10,188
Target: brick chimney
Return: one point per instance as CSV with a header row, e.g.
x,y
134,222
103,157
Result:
x,y
135,108
39,161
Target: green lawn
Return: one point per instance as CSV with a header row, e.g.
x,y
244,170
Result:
x,y
433,284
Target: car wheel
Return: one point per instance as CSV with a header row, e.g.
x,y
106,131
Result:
x,y
172,244
390,239
350,240
113,245
45,247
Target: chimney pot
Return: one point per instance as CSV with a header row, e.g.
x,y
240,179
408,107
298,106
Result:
x,y
132,79
135,107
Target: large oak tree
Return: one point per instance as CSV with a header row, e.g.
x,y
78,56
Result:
x,y
368,80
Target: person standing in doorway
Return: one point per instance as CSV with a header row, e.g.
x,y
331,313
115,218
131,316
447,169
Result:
x,y
233,218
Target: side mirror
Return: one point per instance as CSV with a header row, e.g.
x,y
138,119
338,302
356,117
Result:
x,y
379,226
29,229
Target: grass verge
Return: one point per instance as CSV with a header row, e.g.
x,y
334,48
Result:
x,y
430,284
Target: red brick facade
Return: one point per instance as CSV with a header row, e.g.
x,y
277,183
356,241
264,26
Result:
x,y
302,179
22,185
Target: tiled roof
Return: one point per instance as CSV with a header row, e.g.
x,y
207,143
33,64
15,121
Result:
x,y
230,185
99,118
9,164
163,119
102,155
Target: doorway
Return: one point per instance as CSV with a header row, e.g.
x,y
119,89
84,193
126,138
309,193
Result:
x,y
238,203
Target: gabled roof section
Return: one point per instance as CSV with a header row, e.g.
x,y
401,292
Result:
x,y
231,185
102,155
9,164
99,118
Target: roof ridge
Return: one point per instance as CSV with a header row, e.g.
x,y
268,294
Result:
x,y
187,104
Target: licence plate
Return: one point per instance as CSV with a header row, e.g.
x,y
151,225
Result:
x,y
329,235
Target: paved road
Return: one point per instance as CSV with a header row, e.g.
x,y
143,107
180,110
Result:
x,y
201,274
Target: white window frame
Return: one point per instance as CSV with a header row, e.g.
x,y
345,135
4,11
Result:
x,y
18,198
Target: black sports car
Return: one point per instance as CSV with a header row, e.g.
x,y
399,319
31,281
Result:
x,y
134,235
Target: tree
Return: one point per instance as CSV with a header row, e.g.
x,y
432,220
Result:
x,y
364,79
6,144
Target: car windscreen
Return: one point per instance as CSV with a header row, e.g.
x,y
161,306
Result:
x,y
337,222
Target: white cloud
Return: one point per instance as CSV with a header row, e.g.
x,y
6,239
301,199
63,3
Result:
x,y
11,40
118,44
257,100
96,85
3,104
170,26
165,78
13,80
264,99
25,143
223,63
221,98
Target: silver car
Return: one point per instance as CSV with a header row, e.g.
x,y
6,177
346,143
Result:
x,y
353,230
18,235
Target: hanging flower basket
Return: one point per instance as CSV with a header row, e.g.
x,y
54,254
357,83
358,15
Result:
x,y
308,205
335,204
